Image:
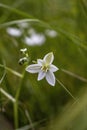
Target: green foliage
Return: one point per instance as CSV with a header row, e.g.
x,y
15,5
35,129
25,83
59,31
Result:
x,y
30,104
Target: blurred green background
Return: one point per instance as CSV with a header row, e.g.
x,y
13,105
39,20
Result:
x,y
43,26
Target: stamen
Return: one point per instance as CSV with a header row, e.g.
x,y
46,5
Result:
x,y
45,68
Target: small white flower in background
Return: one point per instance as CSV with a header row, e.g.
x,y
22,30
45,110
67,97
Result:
x,y
23,50
44,68
51,33
14,31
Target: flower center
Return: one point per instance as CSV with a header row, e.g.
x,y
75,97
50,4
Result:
x,y
45,68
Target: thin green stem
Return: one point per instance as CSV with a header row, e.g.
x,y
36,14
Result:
x,y
11,71
14,100
7,95
66,89
74,75
29,119
16,118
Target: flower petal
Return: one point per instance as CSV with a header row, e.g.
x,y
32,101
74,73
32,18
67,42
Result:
x,y
34,68
41,75
40,61
50,78
53,68
49,58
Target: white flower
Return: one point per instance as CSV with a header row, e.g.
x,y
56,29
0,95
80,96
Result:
x,y
44,68
23,50
14,32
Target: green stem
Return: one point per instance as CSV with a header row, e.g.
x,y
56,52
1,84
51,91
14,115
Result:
x,y
16,118
7,95
66,89
16,115
11,71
